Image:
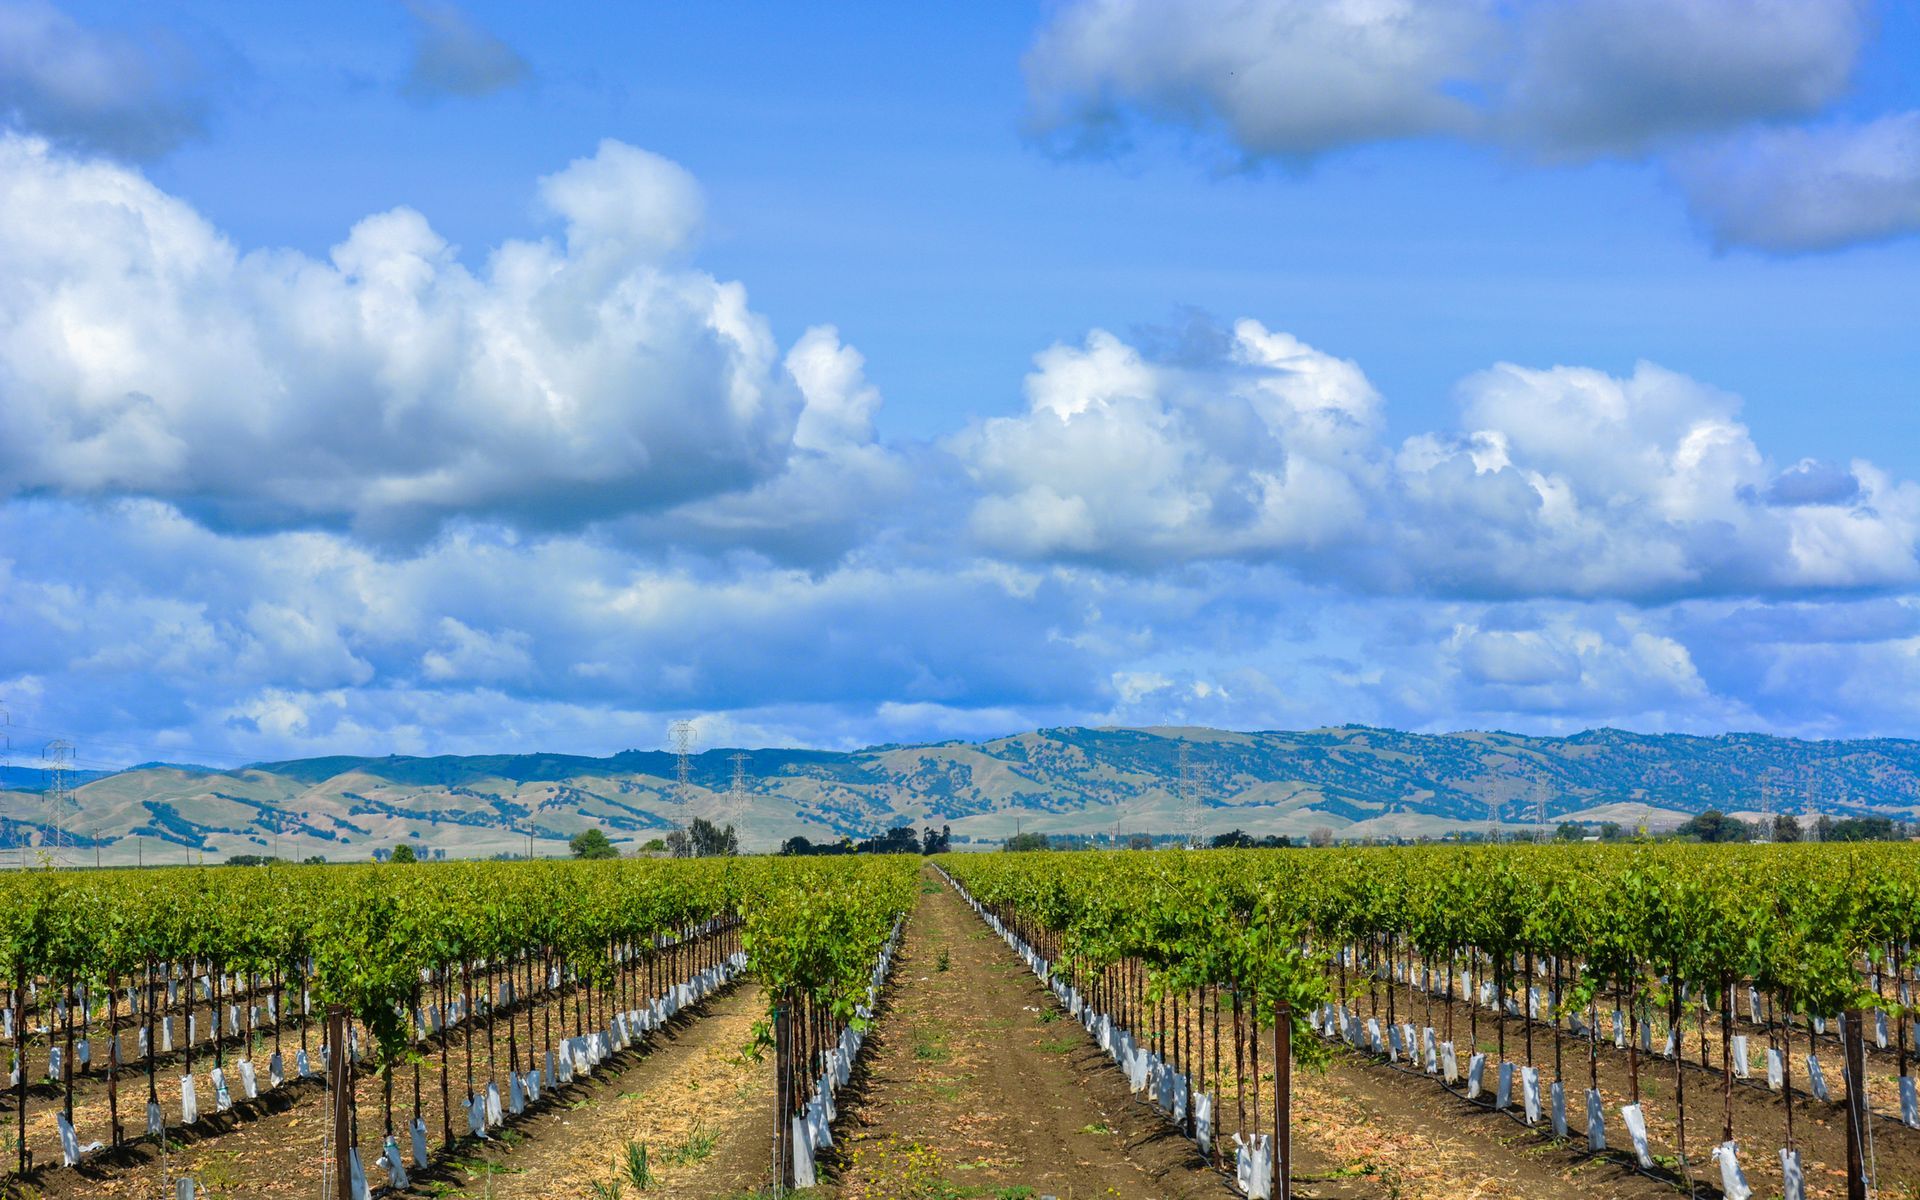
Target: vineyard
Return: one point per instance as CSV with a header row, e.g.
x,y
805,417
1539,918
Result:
x,y
1713,1020
149,1008
1704,1012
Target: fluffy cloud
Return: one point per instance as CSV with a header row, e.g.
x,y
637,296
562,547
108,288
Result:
x,y
1563,481
259,505
1648,487
1800,190
144,634
1566,664
1620,76
1124,461
1699,82
391,385
204,631
1285,80
136,96
453,56
1296,78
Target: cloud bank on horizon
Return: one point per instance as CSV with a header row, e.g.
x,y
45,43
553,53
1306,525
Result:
x,y
261,502
264,504
1727,93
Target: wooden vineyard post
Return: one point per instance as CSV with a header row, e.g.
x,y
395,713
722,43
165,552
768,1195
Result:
x,y
782,1030
1855,1055
341,1096
1283,1103
20,1061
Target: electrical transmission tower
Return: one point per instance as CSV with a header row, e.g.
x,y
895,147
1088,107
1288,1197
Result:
x,y
1190,797
6,761
682,775
57,761
1493,818
737,789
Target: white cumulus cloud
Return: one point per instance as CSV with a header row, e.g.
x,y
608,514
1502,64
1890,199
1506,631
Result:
x,y
1126,461
1559,481
391,385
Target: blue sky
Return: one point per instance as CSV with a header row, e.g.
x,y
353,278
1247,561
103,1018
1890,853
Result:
x,y
1262,364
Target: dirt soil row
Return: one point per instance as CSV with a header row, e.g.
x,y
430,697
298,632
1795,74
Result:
x,y
1759,1115
977,1078
276,1145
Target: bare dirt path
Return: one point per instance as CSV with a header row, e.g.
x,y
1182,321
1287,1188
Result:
x,y
973,1077
1391,1135
978,1079
1758,1114
698,1102
281,1151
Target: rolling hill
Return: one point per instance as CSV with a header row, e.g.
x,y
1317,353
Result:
x,y
1353,780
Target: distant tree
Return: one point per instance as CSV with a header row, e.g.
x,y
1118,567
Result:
x,y
1570,831
1027,841
403,853
1612,831
1823,829
1276,842
1320,836
1714,826
801,845
1237,840
314,860
592,843
1785,828
712,841
1139,841
653,846
678,845
251,860
901,839
1861,829
936,843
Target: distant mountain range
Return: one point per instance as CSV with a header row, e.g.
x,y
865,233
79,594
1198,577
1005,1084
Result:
x,y
1356,781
